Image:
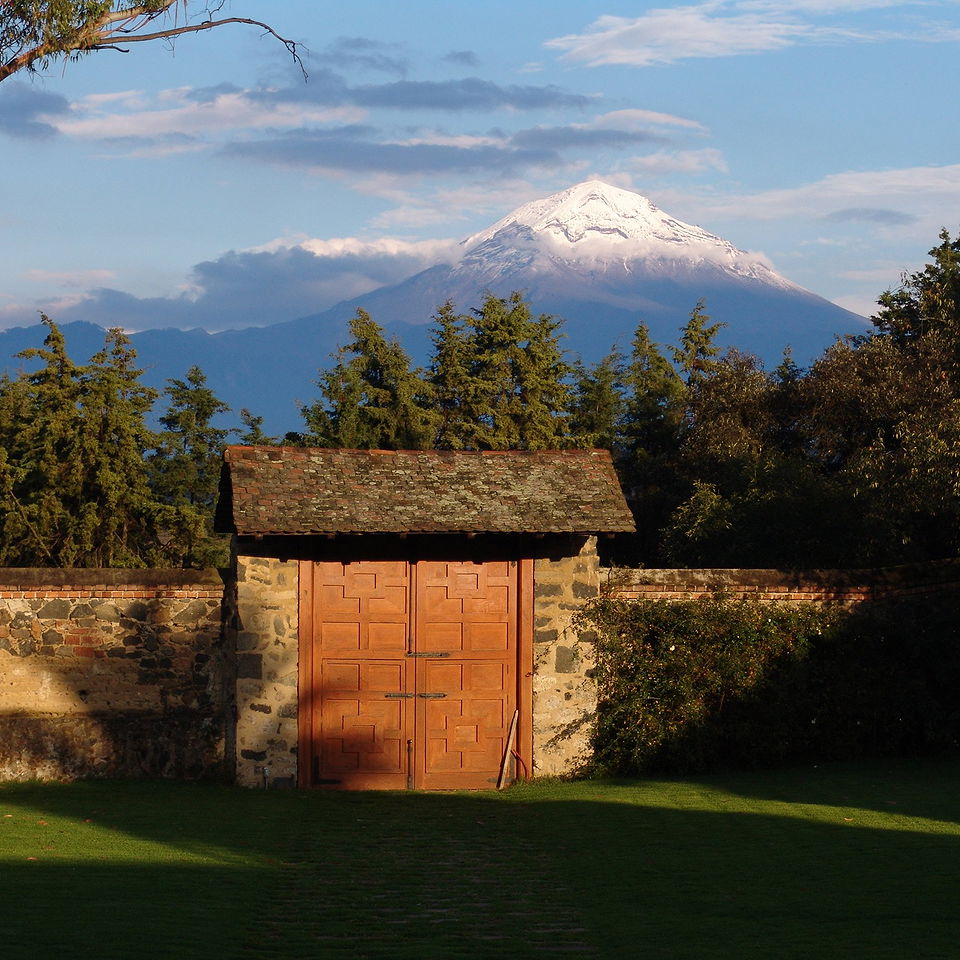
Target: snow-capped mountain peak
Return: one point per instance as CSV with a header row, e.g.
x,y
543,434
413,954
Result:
x,y
596,226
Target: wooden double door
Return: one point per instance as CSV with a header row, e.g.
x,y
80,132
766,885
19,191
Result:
x,y
411,672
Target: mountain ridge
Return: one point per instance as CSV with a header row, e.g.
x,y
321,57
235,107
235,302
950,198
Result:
x,y
600,257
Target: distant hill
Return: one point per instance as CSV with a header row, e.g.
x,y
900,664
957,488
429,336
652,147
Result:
x,y
598,256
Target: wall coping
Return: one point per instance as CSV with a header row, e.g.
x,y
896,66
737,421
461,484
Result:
x,y
934,572
33,578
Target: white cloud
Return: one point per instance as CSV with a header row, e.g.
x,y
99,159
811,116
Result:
x,y
923,192
679,161
427,251
668,35
172,112
446,205
818,6
440,138
635,120
723,28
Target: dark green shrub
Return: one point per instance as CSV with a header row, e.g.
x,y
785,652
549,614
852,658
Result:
x,y
700,684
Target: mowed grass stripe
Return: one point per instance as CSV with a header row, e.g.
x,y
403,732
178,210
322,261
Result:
x,y
856,860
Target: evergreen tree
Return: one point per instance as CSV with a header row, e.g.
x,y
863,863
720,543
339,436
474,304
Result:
x,y
185,471
696,355
599,402
115,507
543,388
648,451
72,479
185,466
335,419
927,302
453,386
517,364
371,398
252,433
656,396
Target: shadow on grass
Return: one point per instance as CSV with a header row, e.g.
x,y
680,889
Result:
x,y
665,870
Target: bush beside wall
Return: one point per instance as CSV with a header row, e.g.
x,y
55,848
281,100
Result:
x,y
719,681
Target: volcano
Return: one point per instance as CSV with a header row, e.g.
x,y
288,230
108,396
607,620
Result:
x,y
603,259
597,256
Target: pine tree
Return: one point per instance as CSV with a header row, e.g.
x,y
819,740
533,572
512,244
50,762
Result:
x,y
185,471
543,388
450,376
522,394
252,434
599,402
656,396
115,506
371,398
335,419
695,357
73,481
650,439
927,301
185,466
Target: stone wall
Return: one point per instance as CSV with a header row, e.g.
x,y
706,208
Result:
x,y
262,626
126,673
111,672
564,691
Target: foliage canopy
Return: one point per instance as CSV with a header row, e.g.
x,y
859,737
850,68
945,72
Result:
x,y
35,33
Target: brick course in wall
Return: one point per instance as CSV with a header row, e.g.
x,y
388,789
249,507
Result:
x,y
111,672
808,586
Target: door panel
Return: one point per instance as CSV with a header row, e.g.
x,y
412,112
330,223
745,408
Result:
x,y
361,609
467,609
409,676
363,722
465,730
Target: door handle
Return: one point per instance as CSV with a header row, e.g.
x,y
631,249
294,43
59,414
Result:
x,y
399,696
431,696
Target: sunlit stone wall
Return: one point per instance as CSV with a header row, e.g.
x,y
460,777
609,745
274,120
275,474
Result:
x,y
564,691
112,673
262,605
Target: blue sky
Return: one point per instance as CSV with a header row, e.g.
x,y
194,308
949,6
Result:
x,y
208,185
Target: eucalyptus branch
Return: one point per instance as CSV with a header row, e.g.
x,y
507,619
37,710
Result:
x,y
36,41
109,41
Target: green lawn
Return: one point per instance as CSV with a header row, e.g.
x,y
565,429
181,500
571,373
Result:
x,y
844,861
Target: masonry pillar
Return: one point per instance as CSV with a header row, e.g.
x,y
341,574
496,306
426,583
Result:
x,y
265,628
564,690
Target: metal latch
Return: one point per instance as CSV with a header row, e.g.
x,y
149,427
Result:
x,y
399,696
428,653
431,696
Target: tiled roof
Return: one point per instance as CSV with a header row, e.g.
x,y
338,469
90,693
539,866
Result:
x,y
303,490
